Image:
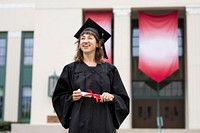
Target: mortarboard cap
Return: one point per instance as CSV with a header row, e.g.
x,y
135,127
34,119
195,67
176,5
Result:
x,y
90,25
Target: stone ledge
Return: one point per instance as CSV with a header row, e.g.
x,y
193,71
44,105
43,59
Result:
x,y
57,128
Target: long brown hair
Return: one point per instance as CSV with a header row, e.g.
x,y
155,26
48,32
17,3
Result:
x,y
98,54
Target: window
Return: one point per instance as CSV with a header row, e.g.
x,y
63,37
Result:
x,y
3,52
26,102
26,77
28,51
149,89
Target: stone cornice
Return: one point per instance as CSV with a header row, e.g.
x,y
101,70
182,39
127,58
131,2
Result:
x,y
17,5
193,10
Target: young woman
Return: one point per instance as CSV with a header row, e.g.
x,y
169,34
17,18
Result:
x,y
89,96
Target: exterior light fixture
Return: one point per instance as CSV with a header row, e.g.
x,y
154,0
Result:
x,y
52,84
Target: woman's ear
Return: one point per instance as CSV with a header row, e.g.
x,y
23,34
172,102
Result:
x,y
79,46
98,46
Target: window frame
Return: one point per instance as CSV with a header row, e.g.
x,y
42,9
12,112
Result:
x,y
3,35
25,75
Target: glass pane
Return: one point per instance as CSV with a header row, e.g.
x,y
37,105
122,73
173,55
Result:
x,y
135,52
28,42
135,32
26,103
2,43
135,42
2,61
1,91
26,92
28,60
1,102
172,89
28,51
179,32
180,43
2,51
180,51
31,51
142,89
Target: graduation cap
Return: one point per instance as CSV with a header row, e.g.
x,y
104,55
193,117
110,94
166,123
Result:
x,y
90,25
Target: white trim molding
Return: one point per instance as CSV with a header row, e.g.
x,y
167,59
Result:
x,y
14,34
17,5
122,11
193,10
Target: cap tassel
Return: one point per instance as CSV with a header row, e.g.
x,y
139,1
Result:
x,y
104,51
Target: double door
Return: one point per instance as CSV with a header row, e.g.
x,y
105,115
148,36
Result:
x,y
146,111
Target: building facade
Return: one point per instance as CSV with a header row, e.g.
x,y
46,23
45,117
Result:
x,y
36,41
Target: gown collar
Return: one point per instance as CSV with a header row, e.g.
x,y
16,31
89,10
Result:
x,y
82,67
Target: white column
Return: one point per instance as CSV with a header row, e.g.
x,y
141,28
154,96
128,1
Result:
x,y
193,67
122,52
12,76
61,49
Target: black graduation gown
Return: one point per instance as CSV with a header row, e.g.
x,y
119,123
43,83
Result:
x,y
86,115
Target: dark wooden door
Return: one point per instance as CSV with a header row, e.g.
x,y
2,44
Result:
x,y
145,113
172,112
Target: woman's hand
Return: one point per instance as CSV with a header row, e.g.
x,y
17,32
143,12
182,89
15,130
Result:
x,y
106,97
76,95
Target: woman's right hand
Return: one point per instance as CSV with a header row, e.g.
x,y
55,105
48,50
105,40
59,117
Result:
x,y
76,95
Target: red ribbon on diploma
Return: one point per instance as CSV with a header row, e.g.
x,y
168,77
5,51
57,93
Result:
x,y
91,94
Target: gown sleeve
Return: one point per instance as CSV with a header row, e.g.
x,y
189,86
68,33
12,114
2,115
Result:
x,y
61,99
121,100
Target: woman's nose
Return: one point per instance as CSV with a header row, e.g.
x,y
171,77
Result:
x,y
86,40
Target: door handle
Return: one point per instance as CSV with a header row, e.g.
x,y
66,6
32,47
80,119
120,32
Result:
x,y
159,121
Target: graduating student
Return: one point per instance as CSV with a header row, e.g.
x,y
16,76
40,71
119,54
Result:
x,y
89,96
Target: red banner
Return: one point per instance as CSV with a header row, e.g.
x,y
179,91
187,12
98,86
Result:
x,y
158,45
104,19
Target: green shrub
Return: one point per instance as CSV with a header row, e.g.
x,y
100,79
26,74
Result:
x,y
5,126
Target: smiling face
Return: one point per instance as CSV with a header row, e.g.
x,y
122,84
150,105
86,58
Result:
x,y
88,44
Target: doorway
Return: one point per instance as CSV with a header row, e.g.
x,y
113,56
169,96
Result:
x,y
150,101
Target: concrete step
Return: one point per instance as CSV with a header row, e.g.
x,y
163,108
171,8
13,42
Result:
x,y
157,131
57,128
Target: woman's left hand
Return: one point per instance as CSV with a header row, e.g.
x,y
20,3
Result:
x,y
106,97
